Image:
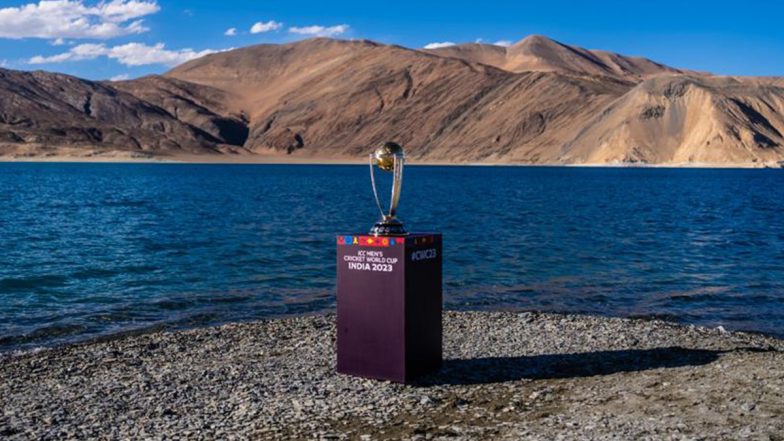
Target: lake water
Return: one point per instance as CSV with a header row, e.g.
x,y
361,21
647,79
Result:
x,y
95,249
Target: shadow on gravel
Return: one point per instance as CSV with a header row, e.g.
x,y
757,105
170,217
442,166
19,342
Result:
x,y
552,366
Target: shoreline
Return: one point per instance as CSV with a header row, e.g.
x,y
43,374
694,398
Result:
x,y
166,327
288,160
507,375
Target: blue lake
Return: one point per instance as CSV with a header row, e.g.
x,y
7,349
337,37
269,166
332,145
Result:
x,y
95,249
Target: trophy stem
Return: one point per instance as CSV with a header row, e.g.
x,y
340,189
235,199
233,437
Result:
x,y
375,191
397,185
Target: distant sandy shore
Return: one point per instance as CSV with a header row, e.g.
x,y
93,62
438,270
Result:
x,y
132,157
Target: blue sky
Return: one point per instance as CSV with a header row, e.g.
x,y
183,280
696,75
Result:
x,y
130,38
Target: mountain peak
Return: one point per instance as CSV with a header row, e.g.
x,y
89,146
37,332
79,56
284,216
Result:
x,y
539,53
536,40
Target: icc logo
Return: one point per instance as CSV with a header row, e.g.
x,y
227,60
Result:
x,y
424,254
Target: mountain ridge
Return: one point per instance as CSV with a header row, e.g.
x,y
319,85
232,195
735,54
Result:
x,y
537,102
539,53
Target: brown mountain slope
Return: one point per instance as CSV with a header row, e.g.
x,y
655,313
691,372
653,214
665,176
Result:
x,y
489,54
46,109
203,107
686,119
539,53
334,98
325,98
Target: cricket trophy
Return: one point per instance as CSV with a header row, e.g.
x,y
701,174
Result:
x,y
389,298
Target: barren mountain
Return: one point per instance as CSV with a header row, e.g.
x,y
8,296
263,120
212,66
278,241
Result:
x,y
686,119
538,101
42,110
203,107
334,98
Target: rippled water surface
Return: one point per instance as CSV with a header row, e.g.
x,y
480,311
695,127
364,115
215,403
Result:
x,y
92,249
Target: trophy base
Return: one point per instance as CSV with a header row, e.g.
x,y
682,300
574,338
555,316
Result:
x,y
389,321
391,227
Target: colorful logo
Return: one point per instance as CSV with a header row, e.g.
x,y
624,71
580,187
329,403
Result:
x,y
369,241
373,241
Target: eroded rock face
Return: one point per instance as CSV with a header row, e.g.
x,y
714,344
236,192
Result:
x,y
686,119
205,108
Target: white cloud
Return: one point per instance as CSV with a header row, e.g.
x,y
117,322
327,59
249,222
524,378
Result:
x,y
320,31
131,54
120,11
438,45
57,42
260,27
121,77
504,43
230,32
3,63
77,53
53,19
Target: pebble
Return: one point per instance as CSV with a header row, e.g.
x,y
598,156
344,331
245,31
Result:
x,y
506,376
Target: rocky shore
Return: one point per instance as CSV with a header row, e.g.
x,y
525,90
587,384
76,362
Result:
x,y
506,376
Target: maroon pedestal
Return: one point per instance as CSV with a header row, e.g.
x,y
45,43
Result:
x,y
389,305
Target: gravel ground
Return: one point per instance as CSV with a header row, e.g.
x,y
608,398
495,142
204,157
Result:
x,y
507,376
